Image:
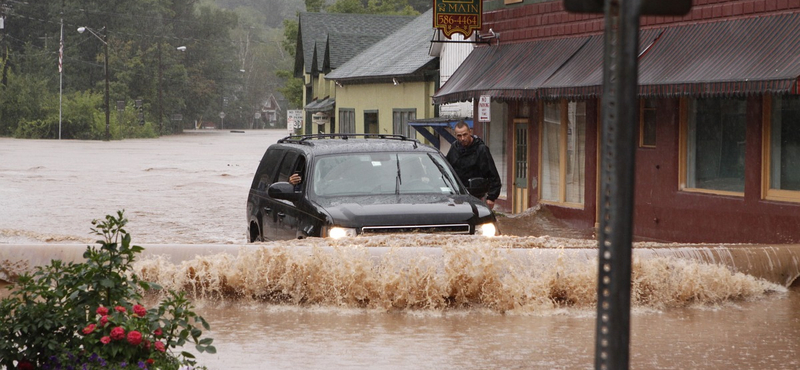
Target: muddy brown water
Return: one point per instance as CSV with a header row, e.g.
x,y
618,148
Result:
x,y
525,300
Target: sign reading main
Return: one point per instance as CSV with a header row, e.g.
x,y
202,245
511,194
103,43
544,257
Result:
x,y
457,16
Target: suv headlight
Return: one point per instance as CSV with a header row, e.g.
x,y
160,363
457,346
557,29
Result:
x,y
336,232
487,229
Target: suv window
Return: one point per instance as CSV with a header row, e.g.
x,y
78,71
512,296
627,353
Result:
x,y
266,170
381,173
288,166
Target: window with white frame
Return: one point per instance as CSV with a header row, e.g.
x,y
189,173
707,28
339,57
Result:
x,y
400,119
713,145
347,120
782,148
563,152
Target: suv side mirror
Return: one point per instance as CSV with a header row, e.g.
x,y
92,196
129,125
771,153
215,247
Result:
x,y
283,190
478,187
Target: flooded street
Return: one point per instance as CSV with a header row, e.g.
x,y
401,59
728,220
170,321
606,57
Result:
x,y
384,303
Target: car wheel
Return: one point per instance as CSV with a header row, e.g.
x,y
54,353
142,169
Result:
x,y
255,233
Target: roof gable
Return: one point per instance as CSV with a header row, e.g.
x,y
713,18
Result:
x,y
355,31
404,52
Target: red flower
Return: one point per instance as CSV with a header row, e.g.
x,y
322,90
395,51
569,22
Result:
x,y
150,361
25,365
134,337
139,310
120,309
117,333
89,329
146,344
102,310
160,346
105,340
104,320
158,332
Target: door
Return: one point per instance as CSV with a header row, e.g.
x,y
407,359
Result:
x,y
284,212
520,185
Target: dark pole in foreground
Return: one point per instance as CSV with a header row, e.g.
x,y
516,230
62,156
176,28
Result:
x,y
617,164
620,75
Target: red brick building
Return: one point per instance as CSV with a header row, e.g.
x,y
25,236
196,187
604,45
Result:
x,y
718,155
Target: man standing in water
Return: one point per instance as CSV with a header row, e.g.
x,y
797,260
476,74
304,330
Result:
x,y
471,158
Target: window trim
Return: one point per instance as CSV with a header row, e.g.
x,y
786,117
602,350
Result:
x,y
562,157
343,121
410,132
683,165
642,109
766,158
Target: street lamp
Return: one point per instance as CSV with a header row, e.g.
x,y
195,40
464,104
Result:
x,y
104,40
161,88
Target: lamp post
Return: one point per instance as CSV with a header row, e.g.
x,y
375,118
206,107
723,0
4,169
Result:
x,y
161,88
104,40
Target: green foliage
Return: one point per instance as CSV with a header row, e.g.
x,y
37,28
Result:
x,y
391,7
293,89
144,63
55,316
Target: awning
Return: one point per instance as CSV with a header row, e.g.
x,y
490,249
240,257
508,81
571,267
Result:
x,y
726,58
322,105
730,58
582,76
439,125
512,71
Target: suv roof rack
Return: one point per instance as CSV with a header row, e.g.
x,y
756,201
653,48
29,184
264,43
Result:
x,y
306,139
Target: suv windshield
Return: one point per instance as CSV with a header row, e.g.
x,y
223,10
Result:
x,y
382,173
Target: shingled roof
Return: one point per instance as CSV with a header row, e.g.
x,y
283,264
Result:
x,y
350,33
403,53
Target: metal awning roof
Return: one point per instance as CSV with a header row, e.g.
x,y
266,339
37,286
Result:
x,y
725,58
322,105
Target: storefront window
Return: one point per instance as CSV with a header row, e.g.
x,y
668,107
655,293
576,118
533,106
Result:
x,y
496,140
783,146
647,123
714,139
563,168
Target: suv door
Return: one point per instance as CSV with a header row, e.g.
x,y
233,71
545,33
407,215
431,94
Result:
x,y
286,214
259,204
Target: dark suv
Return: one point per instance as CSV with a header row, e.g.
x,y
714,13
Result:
x,y
359,184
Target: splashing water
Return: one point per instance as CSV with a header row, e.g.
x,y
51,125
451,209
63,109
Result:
x,y
451,275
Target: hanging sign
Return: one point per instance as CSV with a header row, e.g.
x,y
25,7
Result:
x,y
457,16
484,109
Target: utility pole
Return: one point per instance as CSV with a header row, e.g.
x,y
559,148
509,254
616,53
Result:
x,y
4,9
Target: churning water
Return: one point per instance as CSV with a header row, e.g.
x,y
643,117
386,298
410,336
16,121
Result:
x,y
411,302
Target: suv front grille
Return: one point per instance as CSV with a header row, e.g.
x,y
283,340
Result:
x,y
419,229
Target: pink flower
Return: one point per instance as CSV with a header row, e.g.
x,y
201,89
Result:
x,y
120,309
89,329
134,337
104,320
139,310
102,310
117,333
160,346
158,332
105,340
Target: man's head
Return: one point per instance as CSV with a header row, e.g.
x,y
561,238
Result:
x,y
463,133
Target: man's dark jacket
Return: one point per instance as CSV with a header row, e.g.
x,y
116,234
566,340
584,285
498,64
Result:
x,y
475,161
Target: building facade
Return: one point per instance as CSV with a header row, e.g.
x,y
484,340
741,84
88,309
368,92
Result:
x,y
718,150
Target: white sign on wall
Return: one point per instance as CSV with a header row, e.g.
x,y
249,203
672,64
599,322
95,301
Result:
x,y
484,109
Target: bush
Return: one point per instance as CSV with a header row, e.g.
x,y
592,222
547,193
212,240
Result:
x,y
58,316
